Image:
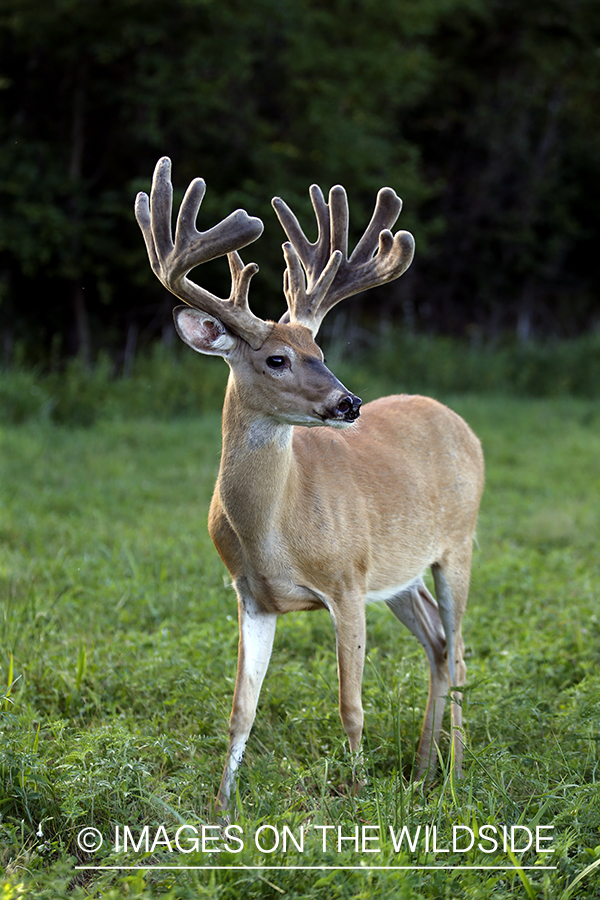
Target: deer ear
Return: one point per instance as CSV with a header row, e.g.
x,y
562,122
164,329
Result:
x,y
202,332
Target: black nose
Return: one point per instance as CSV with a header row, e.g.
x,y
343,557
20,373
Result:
x,y
349,407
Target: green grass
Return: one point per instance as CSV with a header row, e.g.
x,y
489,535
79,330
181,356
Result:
x,y
118,640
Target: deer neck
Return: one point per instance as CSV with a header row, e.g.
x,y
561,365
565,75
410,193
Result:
x,y
257,472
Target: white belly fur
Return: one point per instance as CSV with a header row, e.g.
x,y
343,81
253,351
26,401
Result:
x,y
390,592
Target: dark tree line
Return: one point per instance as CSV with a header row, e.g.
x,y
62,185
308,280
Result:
x,y
482,114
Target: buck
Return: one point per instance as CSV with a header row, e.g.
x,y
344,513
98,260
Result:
x,y
314,507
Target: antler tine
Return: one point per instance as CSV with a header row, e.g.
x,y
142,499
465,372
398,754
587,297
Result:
x,y
240,279
378,257
387,209
171,261
314,257
303,302
339,215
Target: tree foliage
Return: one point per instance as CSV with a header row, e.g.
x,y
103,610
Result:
x,y
483,114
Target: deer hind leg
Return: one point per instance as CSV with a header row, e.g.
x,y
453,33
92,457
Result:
x,y
451,577
351,634
257,630
418,611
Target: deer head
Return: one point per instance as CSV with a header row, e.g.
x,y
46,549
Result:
x,y
277,368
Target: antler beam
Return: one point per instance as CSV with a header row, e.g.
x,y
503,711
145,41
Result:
x,y
172,260
329,275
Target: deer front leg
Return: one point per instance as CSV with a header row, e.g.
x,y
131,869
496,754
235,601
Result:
x,y
257,630
351,635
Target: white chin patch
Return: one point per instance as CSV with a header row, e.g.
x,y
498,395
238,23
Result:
x,y
339,423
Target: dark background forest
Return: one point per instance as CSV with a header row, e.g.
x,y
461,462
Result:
x,y
482,114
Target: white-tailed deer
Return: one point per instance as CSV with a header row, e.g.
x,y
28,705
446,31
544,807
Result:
x,y
322,518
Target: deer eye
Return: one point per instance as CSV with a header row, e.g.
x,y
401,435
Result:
x,y
276,362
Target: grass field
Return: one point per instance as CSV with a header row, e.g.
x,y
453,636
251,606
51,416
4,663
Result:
x,y
118,641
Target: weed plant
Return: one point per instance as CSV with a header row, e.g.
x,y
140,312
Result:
x,y
118,640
